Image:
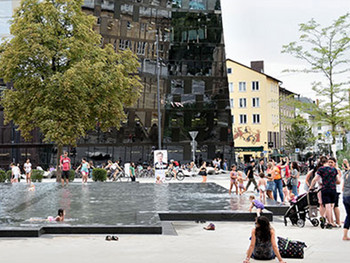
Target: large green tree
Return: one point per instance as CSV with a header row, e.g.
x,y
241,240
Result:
x,y
326,51
299,135
64,82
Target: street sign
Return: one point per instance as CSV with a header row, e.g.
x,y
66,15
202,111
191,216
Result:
x,y
193,134
297,150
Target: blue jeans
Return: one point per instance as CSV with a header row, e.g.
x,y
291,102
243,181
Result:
x,y
295,190
346,201
279,187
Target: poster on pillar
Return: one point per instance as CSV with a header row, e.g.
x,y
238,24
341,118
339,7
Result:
x,y
160,164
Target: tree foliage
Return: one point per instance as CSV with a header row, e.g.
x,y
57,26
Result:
x,y
326,52
299,135
64,82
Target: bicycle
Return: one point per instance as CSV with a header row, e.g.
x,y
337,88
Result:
x,y
169,174
121,176
147,173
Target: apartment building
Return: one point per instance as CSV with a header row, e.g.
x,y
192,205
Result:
x,y
254,99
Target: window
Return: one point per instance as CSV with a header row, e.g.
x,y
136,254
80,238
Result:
x,y
143,26
242,118
229,71
242,103
231,103
256,118
124,44
256,102
128,25
141,46
230,87
242,86
255,85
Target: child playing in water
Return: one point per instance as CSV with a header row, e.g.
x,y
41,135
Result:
x,y
59,218
159,181
262,187
233,179
240,180
256,203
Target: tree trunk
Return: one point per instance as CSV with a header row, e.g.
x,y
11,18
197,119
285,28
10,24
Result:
x,y
58,167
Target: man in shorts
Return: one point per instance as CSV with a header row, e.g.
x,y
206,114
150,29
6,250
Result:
x,y
329,176
65,165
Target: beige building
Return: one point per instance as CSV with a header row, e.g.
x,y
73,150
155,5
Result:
x,y
254,98
287,113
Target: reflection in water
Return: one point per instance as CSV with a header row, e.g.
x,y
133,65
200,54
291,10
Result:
x,y
111,203
65,200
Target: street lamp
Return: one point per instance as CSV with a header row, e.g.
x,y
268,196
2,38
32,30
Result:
x,y
158,94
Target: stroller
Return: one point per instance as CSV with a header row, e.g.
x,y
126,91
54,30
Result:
x,y
304,208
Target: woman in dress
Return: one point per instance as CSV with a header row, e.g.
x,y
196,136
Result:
x,y
263,242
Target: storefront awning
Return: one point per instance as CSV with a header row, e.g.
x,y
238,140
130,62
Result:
x,y
249,149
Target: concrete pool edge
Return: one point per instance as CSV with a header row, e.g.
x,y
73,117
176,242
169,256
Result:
x,y
219,215
74,230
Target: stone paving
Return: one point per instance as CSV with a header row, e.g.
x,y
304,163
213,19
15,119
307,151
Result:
x,y
188,242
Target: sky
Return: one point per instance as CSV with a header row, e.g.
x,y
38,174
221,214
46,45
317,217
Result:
x,y
257,30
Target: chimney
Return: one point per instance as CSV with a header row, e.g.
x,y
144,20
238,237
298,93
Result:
x,y
257,66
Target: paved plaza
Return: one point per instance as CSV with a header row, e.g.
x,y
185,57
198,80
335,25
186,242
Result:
x,y
188,242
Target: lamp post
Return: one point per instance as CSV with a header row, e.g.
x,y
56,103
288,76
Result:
x,y
193,135
158,94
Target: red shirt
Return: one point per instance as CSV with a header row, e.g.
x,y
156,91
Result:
x,y
65,162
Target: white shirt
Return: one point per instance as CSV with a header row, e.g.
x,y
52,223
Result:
x,y
16,170
27,167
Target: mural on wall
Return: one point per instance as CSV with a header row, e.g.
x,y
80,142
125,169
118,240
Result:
x,y
247,134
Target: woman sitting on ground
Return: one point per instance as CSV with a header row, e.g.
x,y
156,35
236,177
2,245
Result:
x,y
263,244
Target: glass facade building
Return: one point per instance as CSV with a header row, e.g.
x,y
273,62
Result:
x,y
193,80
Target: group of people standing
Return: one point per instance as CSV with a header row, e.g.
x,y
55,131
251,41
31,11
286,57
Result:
x,y
16,172
274,180
330,181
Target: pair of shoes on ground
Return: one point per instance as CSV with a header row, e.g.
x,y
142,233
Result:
x,y
211,226
112,238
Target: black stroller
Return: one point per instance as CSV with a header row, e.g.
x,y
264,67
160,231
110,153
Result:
x,y
304,208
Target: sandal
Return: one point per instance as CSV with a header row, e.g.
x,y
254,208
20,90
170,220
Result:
x,y
108,238
329,226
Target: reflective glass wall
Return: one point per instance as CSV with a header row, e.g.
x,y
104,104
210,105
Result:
x,y
193,81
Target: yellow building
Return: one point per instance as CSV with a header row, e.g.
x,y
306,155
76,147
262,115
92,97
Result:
x,y
254,98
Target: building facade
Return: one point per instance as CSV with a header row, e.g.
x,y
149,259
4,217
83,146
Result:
x,y
193,80
254,99
287,113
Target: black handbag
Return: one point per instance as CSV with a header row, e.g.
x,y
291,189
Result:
x,y
290,248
